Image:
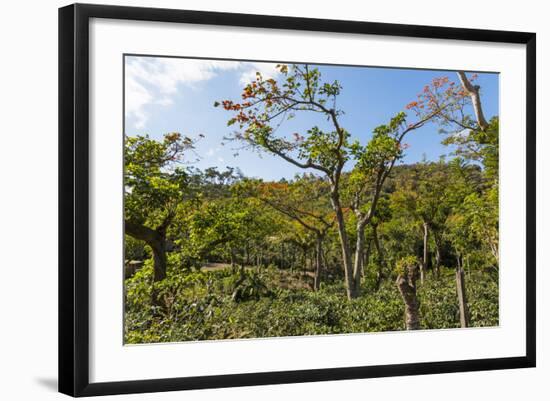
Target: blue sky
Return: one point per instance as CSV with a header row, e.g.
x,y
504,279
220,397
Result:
x,y
177,95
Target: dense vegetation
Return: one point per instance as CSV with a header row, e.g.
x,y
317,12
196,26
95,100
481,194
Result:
x,y
356,243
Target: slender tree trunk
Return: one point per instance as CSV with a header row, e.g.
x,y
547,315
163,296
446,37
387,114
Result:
x,y
318,263
377,245
437,255
424,254
406,284
232,256
366,258
461,293
359,250
381,259
344,244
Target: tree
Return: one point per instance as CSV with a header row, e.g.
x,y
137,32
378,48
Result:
x,y
226,223
303,200
476,140
423,197
382,215
154,186
266,104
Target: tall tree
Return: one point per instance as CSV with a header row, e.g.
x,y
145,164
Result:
x,y
267,103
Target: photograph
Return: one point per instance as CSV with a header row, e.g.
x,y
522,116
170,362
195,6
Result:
x,y
277,199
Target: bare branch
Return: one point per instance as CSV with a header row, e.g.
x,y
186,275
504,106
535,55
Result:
x,y
473,92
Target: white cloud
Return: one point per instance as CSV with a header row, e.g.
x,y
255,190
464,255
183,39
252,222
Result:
x,y
136,96
267,70
165,101
155,81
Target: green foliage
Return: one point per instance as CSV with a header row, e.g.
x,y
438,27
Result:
x,y
241,253
153,180
134,249
403,264
482,295
208,310
246,286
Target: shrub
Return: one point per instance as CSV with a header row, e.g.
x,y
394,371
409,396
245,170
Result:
x,y
228,305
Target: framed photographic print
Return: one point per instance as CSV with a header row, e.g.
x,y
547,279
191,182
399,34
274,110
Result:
x,y
249,199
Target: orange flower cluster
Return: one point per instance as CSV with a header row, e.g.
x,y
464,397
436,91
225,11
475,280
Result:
x,y
229,105
241,117
248,92
439,82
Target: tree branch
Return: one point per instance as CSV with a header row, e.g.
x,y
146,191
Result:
x,y
473,92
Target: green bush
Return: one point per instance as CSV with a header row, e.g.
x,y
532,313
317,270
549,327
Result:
x,y
203,305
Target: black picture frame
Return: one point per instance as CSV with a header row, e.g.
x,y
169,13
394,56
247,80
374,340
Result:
x,y
74,199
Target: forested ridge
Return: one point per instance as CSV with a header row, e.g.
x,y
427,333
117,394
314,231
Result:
x,y
357,242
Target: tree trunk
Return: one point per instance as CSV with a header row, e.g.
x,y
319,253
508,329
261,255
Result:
x,y
366,256
344,244
159,258
381,260
424,254
156,239
437,255
318,263
406,284
359,250
232,256
462,301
